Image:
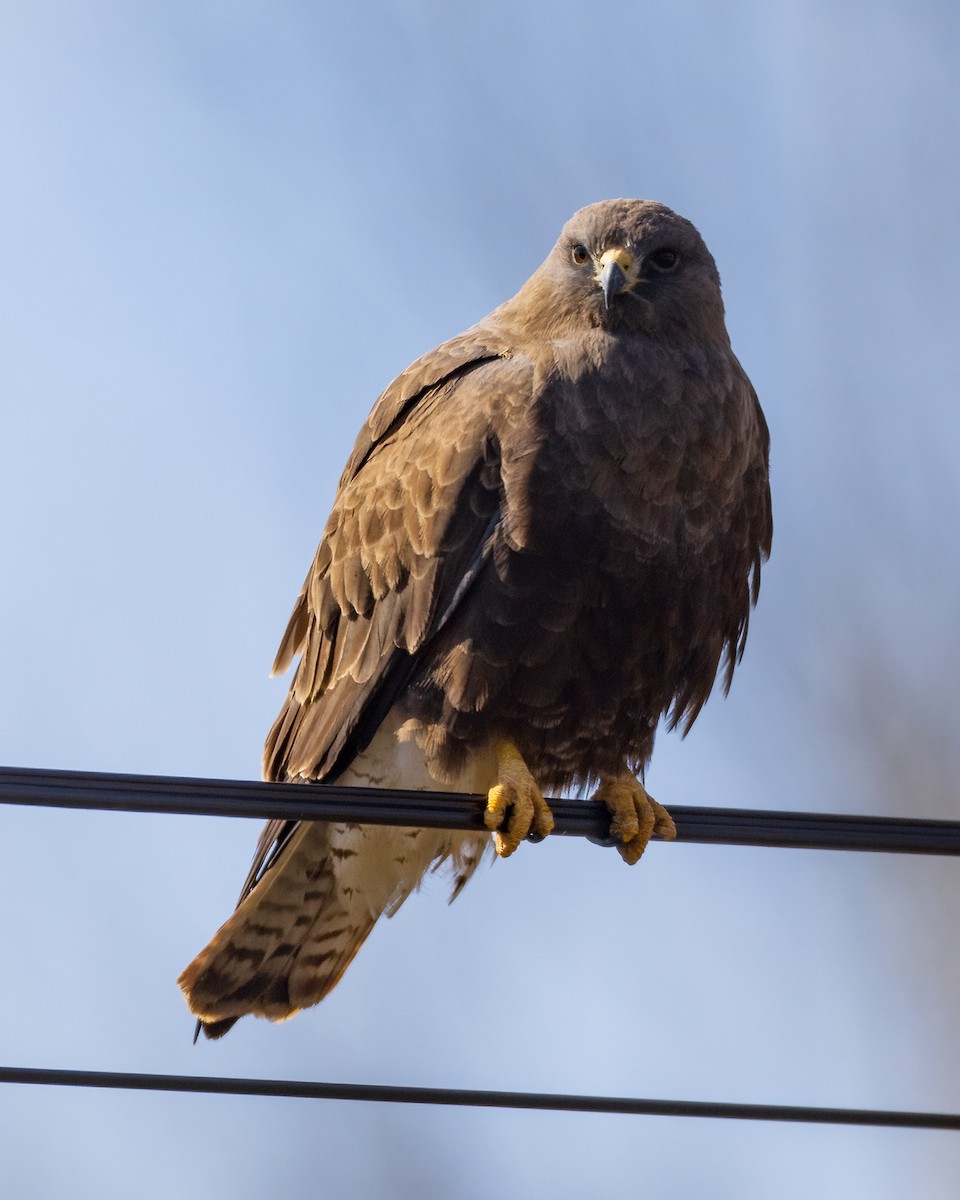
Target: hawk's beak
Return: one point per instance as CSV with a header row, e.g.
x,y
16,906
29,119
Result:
x,y
615,267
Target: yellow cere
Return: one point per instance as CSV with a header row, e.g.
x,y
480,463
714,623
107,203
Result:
x,y
623,259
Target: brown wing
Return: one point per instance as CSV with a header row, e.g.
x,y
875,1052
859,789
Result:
x,y
414,511
403,522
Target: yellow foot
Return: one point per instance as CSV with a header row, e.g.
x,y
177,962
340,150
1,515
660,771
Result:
x,y
634,816
515,800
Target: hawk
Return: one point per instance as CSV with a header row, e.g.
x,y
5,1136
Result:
x,y
547,538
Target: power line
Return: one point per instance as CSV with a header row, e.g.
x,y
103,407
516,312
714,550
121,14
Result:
x,y
445,810
474,1098
211,797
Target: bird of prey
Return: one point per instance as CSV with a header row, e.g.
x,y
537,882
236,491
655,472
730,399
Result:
x,y
548,537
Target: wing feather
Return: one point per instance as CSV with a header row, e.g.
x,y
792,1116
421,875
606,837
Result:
x,y
412,523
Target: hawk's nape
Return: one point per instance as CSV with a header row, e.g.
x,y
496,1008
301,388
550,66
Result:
x,y
548,536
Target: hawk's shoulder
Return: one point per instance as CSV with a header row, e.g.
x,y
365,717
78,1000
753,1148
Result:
x,y
471,349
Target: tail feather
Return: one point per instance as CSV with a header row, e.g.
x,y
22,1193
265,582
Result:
x,y
287,944
316,890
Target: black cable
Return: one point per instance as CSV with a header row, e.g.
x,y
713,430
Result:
x,y
141,793
473,1098
442,810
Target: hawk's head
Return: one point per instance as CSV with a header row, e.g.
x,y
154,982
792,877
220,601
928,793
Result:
x,y
632,266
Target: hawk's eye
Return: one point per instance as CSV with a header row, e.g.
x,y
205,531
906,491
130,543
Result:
x,y
580,255
664,260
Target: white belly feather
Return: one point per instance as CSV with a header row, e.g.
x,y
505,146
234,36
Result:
x,y
390,861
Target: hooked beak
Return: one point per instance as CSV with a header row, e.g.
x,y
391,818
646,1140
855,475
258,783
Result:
x,y
615,267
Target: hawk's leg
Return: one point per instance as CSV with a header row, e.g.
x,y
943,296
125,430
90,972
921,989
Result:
x,y
634,815
515,805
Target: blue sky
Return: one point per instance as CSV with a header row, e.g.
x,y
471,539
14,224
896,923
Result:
x,y
223,229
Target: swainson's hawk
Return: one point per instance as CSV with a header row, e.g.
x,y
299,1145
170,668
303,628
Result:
x,y
548,537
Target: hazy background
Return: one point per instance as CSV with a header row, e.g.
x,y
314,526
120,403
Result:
x,y
224,227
